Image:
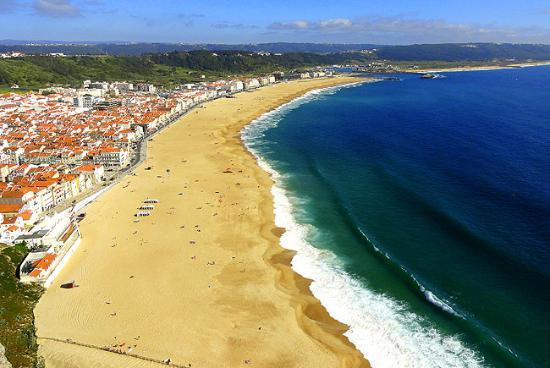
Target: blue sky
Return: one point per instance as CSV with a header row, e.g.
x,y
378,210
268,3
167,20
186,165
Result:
x,y
247,21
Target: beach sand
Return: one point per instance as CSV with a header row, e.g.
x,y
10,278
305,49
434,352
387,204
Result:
x,y
203,280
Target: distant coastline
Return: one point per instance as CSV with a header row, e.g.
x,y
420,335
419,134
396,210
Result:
x,y
477,68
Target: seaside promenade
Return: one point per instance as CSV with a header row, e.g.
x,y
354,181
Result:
x,y
202,281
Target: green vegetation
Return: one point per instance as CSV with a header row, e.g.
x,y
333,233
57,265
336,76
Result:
x,y
448,51
176,67
141,48
4,90
465,52
35,72
165,69
238,62
17,302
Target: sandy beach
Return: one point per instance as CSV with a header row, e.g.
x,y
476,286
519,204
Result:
x,y
202,280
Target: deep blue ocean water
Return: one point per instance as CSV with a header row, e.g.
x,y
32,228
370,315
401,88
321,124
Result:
x,y
421,210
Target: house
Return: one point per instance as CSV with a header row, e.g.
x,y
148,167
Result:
x,y
42,265
10,210
47,233
14,153
5,170
264,81
123,87
44,194
96,171
145,87
29,217
58,194
236,86
85,102
23,197
111,157
251,83
51,247
97,85
71,185
11,227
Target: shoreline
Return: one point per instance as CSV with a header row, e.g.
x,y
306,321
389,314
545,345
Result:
x,y
311,314
284,255
339,292
327,343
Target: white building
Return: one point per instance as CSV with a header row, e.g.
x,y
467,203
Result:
x,y
251,83
122,86
146,87
236,86
112,157
98,85
84,102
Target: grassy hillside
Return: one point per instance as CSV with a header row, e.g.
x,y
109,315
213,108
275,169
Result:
x,y
166,69
17,302
40,71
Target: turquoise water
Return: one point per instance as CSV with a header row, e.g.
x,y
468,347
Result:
x,y
420,208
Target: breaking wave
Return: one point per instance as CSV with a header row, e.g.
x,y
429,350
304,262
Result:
x,y
382,328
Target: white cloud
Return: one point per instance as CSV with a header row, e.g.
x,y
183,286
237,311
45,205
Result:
x,y
405,30
298,24
334,23
56,8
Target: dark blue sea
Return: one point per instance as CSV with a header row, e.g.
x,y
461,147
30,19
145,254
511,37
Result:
x,y
421,210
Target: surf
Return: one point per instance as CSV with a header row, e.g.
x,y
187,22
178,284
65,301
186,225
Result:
x,y
382,328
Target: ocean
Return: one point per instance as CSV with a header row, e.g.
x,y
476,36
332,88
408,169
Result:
x,y
421,211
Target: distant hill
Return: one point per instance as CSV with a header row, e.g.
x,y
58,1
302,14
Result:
x,y
161,64
128,49
442,52
465,52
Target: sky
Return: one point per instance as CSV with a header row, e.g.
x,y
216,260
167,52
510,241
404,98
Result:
x,y
247,21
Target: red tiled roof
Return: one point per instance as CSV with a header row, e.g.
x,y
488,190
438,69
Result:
x,y
10,208
43,264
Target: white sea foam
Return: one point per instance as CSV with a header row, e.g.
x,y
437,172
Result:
x,y
430,297
382,328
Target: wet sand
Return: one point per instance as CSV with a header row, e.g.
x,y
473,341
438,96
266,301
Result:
x,y
203,280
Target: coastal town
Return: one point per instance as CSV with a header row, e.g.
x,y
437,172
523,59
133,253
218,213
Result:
x,y
270,184
62,147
